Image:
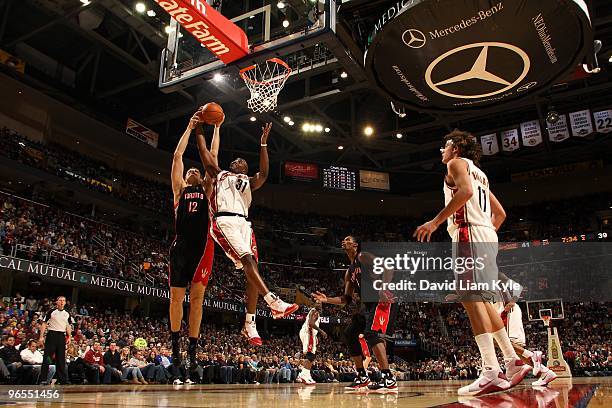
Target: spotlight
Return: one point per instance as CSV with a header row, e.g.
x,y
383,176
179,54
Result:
x,y
553,116
369,131
306,127
610,59
140,7
399,135
280,5
285,23
168,29
343,75
318,128
253,119
327,130
291,123
85,2
340,147
218,77
287,119
151,13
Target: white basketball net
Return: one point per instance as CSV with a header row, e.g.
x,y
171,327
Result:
x,y
265,82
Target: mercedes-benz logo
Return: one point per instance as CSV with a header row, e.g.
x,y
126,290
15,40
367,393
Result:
x,y
478,70
414,38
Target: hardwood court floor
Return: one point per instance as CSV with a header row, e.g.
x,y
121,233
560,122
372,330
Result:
x,y
580,392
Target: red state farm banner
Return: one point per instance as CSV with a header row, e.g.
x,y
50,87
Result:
x,y
301,171
222,37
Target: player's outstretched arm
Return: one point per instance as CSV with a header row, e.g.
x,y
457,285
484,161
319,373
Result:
x,y
216,140
207,159
458,171
178,183
498,214
264,162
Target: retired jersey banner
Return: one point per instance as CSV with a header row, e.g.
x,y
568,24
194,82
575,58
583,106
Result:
x,y
603,121
510,140
581,123
558,131
489,144
142,133
532,133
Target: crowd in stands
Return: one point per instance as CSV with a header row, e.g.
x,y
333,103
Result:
x,y
104,347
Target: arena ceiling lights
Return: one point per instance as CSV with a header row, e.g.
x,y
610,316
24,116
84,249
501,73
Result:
x,y
462,55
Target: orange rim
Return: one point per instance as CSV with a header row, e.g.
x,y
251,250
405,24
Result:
x,y
252,67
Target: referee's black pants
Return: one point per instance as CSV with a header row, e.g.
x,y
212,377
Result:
x,y
55,344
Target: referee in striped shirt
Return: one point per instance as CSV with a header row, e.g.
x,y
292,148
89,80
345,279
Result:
x,y
59,322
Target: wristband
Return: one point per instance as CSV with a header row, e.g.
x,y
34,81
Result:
x,y
264,145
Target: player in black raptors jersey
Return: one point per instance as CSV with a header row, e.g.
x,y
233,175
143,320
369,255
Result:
x,y
191,253
372,325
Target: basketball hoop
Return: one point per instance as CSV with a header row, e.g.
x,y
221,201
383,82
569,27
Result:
x,y
546,320
265,83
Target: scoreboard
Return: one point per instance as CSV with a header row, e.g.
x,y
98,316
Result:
x,y
339,178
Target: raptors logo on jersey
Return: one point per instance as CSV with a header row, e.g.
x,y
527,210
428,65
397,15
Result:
x,y
231,194
477,210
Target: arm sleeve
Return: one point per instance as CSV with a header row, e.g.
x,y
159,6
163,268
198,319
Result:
x,y
47,316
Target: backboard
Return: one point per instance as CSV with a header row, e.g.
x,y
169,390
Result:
x,y
293,32
545,307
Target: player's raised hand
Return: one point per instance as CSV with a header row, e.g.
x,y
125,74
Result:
x,y
195,120
423,232
265,133
319,297
218,125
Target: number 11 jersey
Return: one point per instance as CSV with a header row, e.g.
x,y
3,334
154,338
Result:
x,y
231,194
477,210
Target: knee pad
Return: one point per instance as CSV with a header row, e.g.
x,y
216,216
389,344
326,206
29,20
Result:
x,y
310,356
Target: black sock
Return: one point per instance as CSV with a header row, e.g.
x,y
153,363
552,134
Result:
x,y
175,343
362,372
193,344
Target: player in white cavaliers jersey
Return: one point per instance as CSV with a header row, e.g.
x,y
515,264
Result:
x,y
230,228
308,336
512,317
473,215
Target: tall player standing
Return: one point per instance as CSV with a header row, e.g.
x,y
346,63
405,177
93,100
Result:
x,y
192,252
474,215
230,228
372,323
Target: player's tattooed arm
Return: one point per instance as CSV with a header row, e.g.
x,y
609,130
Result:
x,y
178,182
458,172
208,160
498,214
260,178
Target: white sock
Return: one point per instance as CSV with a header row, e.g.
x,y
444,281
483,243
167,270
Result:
x,y
487,351
249,318
270,297
503,341
527,353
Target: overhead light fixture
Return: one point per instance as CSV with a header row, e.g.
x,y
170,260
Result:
x,y
327,130
140,7
306,127
280,5
168,29
252,118
369,130
610,59
343,75
151,13
340,147
291,123
552,116
85,2
287,119
285,23
399,135
218,77
318,128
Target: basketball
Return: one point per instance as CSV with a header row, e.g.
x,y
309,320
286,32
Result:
x,y
212,113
